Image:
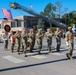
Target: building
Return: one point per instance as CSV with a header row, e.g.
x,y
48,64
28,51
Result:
x,y
19,23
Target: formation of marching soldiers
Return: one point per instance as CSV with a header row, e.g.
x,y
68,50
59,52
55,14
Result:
x,y
26,40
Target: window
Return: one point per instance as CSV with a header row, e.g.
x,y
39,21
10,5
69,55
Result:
x,y
13,24
18,23
26,23
0,26
32,22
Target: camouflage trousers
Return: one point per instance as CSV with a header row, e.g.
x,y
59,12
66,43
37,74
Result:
x,y
24,46
70,48
12,47
5,44
49,42
31,46
39,42
18,46
58,44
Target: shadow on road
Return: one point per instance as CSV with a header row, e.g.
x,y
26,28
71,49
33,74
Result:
x,y
32,65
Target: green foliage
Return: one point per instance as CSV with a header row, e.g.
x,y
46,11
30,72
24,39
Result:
x,y
49,10
40,24
53,29
70,18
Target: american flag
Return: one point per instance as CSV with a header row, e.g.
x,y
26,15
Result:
x,y
30,5
7,13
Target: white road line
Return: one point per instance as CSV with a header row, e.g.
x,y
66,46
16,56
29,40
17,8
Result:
x,y
39,56
57,54
30,54
44,51
13,59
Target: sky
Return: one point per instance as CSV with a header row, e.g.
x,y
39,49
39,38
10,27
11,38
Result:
x,y
37,6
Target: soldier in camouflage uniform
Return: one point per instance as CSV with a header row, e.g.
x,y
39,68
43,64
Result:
x,y
5,38
18,40
58,39
39,37
24,37
48,35
12,41
31,39
70,42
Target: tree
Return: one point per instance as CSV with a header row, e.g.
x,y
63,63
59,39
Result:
x,y
59,10
58,5
49,10
65,17
40,24
70,18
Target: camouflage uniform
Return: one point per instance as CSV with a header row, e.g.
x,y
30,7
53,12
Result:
x,y
70,41
39,37
12,40
24,37
49,34
5,38
32,40
18,41
58,39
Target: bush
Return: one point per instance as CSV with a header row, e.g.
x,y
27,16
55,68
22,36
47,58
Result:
x,y
53,29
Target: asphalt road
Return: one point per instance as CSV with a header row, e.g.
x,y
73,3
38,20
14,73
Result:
x,y
45,64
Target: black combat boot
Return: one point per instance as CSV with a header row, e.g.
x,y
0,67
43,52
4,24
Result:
x,y
68,56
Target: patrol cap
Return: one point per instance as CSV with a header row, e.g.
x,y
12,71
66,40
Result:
x,y
48,29
69,27
40,29
57,28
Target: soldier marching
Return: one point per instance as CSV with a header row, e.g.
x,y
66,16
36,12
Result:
x,y
18,40
70,42
39,37
5,38
58,39
12,41
49,36
31,40
26,40
24,37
